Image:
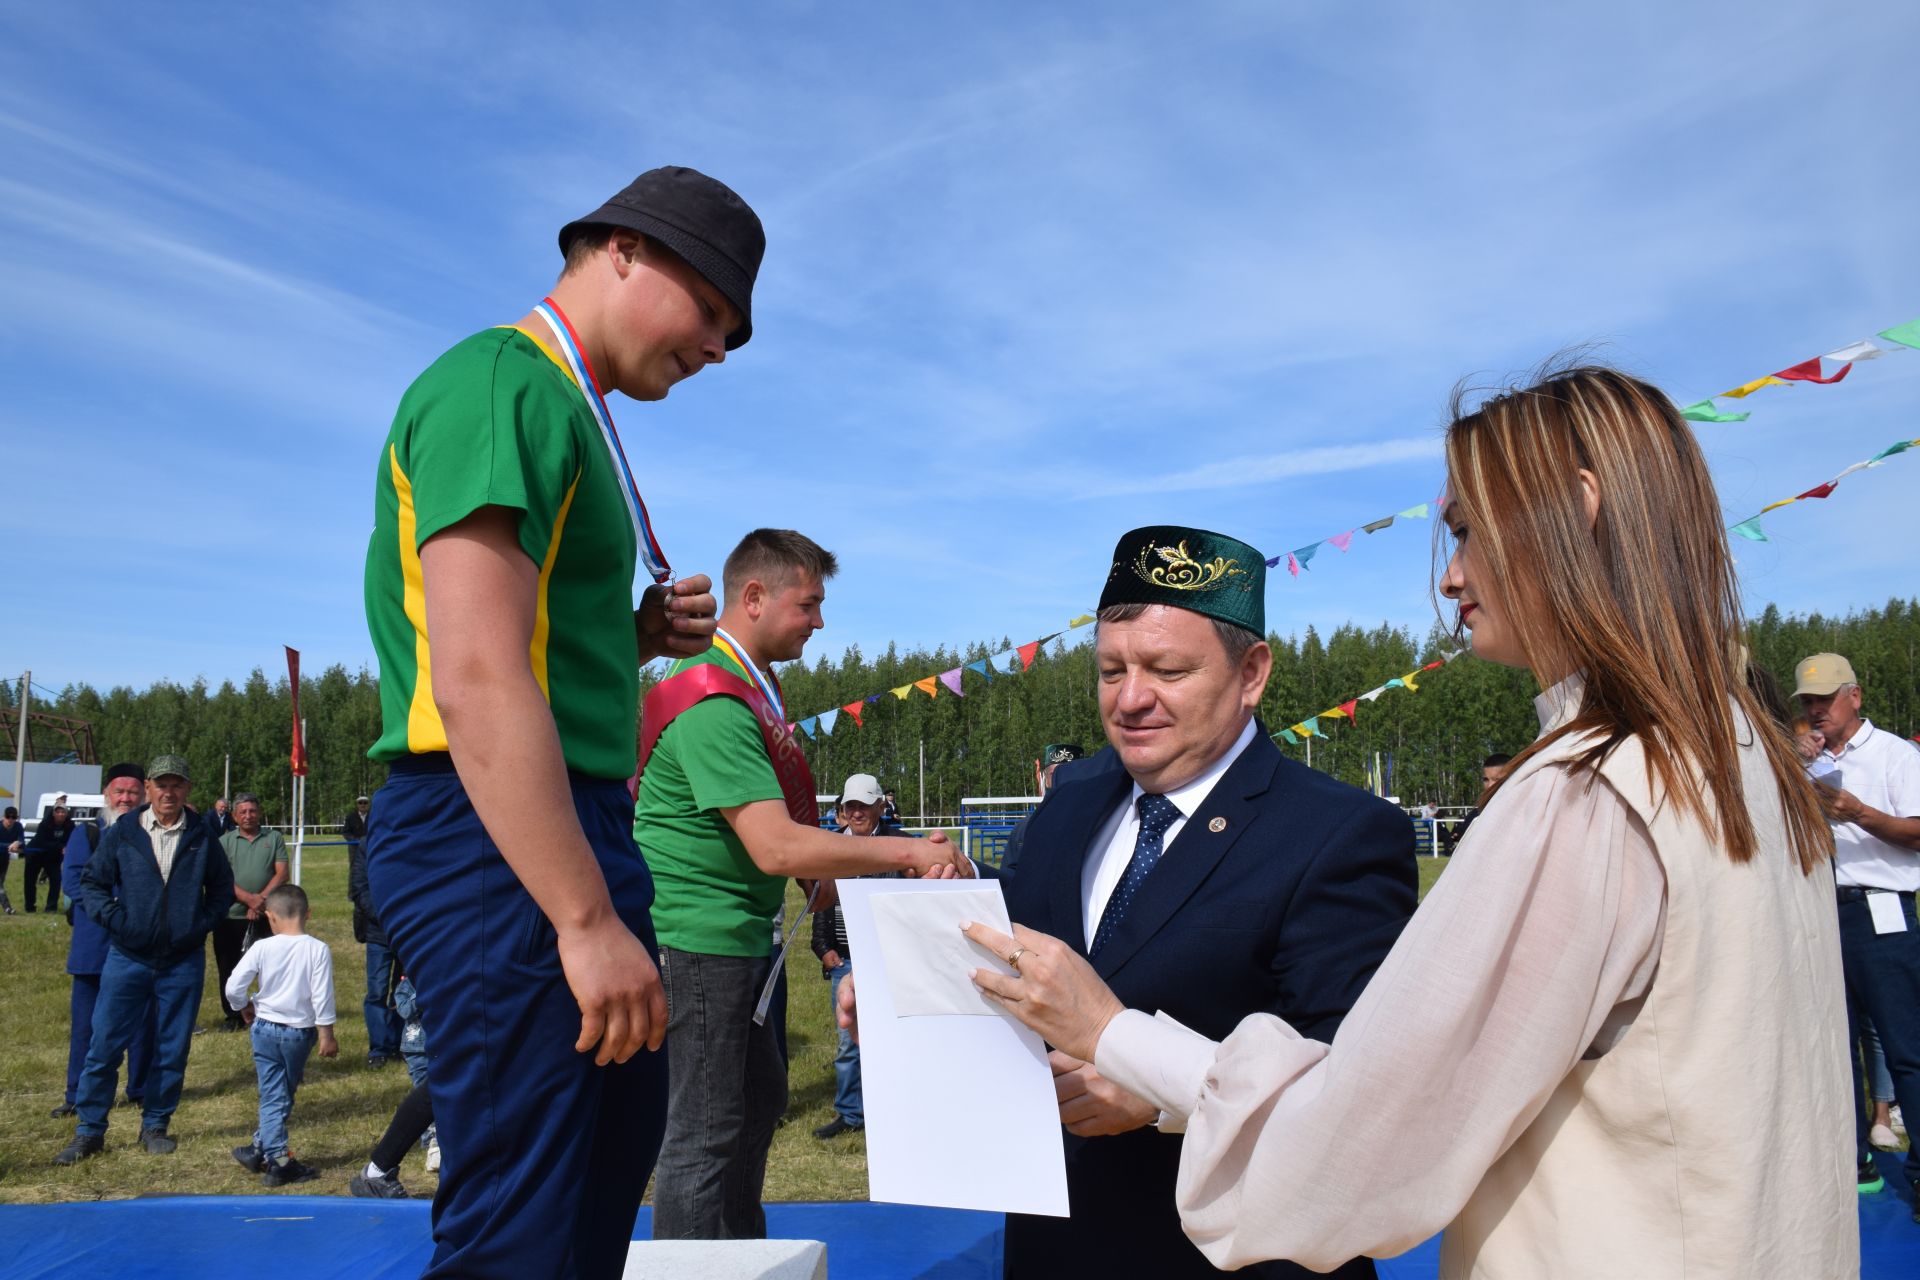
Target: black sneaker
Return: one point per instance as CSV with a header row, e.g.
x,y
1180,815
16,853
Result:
x,y
378,1060
1870,1179
250,1158
157,1142
287,1171
63,1110
385,1187
81,1148
835,1127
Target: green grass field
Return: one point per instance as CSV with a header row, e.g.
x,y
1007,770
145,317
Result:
x,y
344,1106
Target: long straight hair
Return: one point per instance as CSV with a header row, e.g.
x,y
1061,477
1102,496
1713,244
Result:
x,y
1643,603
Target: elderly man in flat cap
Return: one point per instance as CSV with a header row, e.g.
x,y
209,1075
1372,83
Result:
x,y
499,590
1204,874
157,884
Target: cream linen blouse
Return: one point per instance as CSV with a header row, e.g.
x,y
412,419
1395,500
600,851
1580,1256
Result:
x,y
1530,959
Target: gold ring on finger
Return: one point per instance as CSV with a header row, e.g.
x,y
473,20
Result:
x,y
1013,961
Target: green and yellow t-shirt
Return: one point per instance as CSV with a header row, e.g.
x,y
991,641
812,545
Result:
x,y
709,897
498,421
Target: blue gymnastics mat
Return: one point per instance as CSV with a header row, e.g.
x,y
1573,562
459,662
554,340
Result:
x,y
226,1238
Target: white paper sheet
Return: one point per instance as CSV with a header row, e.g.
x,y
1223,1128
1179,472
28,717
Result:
x,y
1884,910
929,961
960,1109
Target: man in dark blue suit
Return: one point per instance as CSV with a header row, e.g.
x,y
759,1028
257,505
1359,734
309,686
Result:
x,y
1204,875
87,949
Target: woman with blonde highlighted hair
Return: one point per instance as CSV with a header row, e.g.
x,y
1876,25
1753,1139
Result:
x,y
1611,1042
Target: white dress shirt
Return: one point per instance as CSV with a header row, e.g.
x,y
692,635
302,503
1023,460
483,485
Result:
x,y
1103,871
1883,773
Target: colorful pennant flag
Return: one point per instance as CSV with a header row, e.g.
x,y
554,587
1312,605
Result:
x,y
929,686
902,692
983,668
1907,335
1810,371
1746,389
1704,411
1415,513
854,709
1342,540
1377,525
1027,653
826,720
806,726
1349,707
951,679
1080,621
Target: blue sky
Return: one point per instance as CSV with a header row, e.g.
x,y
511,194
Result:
x,y
1035,275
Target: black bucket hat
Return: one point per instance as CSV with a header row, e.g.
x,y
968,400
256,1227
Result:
x,y
698,218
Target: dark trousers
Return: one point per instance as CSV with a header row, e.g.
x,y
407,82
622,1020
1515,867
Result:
x,y
411,1120
127,987
86,994
383,1024
728,1092
229,944
545,1156
43,866
1883,984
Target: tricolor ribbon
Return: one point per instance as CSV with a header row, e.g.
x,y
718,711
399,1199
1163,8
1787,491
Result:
x,y
769,688
568,341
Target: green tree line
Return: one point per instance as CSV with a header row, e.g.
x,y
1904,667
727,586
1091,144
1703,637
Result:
x,y
1429,742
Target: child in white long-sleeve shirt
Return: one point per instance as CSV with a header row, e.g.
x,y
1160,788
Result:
x,y
292,1009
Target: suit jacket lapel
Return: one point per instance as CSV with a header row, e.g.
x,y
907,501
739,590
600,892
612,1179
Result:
x,y
1195,852
1090,816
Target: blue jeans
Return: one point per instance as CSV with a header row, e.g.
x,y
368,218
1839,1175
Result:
x,y
726,1091
127,987
1883,986
86,994
280,1060
383,1024
846,1064
1878,1077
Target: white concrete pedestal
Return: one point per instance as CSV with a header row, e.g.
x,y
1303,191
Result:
x,y
726,1260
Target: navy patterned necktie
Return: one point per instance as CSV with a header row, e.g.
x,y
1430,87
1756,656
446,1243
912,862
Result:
x,y
1157,813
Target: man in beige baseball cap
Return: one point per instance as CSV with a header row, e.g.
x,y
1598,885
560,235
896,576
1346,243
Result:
x,y
1869,782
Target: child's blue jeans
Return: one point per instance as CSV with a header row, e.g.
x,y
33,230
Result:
x,y
280,1059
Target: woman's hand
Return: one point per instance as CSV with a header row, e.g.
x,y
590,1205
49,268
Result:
x,y
1055,991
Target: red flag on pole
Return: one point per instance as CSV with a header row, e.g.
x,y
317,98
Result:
x,y
299,756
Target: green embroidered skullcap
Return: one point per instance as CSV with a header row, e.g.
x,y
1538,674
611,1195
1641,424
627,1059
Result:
x,y
1195,569
1060,753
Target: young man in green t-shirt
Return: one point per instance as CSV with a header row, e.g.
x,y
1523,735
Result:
x,y
722,842
500,855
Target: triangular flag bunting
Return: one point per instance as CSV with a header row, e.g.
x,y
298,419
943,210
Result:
x,y
1892,449
1377,525
1080,621
1810,371
981,667
1750,530
1371,694
1703,411
902,692
1775,506
1415,513
1394,684
929,686
1748,388
1331,713
1342,540
951,679
1907,335
1307,553
806,726
1027,652
1293,566
1313,727
875,697
1348,707
1818,491
1274,563
1290,736
1410,681
854,709
826,720
1437,662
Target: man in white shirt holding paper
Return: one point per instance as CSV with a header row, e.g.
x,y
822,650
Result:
x,y
1869,781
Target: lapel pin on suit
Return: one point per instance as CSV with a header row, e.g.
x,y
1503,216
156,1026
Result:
x,y
1217,825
